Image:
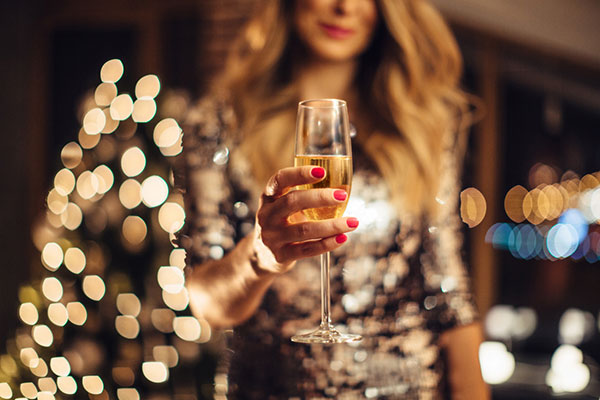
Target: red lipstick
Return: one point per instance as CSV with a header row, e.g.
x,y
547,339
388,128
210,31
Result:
x,y
336,32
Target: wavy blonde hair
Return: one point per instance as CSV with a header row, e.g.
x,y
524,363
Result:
x,y
408,88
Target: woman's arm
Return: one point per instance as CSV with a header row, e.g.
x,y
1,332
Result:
x,y
461,345
226,292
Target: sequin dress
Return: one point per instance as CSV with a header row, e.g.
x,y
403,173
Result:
x,y
399,282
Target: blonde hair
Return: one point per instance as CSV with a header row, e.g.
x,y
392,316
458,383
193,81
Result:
x,y
408,84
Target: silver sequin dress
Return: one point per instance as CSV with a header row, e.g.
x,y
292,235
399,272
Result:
x,y
399,282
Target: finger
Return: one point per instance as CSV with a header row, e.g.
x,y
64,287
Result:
x,y
311,230
286,178
296,251
298,200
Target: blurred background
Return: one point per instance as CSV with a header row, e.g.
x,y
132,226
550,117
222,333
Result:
x,y
115,322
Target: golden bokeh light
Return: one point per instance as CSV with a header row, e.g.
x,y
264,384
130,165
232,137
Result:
x,y
173,150
64,182
52,256
176,301
177,258
205,331
588,182
111,71
513,203
77,313
162,319
87,141
166,133
52,289
47,384
28,313
130,193
123,376
187,328
154,191
155,371
57,203
170,279
472,207
133,162
54,220
60,366
129,304
111,124
134,230
166,354
542,174
57,314
105,177
87,185
127,326
171,217
147,87
555,201
5,391
92,384
128,394
45,395
94,287
75,260
29,357
67,384
42,335
143,110
8,365
94,121
121,107
105,93
28,390
41,370
72,217
536,206
71,155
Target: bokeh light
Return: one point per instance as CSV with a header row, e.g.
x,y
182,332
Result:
x,y
130,193
162,319
87,185
187,328
60,366
127,326
67,384
128,304
71,155
105,93
562,240
166,354
94,121
28,390
143,110
75,260
57,314
171,279
47,384
105,178
52,289
41,370
72,217
472,207
513,203
133,162
29,357
166,133
147,87
94,287
77,313
57,203
155,371
5,391
111,124
121,107
64,182
134,230
42,335
92,384
171,217
111,71
87,141
128,394
177,258
28,313
154,191
575,326
567,372
497,363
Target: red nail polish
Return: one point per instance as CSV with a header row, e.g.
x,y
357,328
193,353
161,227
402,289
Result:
x,y
317,172
340,195
341,238
352,222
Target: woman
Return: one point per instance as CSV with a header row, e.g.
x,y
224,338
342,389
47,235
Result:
x,y
401,282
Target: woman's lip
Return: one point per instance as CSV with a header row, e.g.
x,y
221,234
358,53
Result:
x,y
335,31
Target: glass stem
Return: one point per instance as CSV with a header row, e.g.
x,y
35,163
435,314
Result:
x,y
325,297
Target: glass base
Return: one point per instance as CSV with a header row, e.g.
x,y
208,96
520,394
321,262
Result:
x,y
326,335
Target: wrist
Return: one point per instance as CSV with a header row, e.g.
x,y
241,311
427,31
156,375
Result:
x,y
262,259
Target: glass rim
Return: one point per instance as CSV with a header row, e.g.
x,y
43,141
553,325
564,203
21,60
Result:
x,y
327,103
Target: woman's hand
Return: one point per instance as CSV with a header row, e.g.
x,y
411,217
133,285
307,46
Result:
x,y
285,231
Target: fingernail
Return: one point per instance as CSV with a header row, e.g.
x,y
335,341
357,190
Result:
x,y
341,238
317,172
340,195
352,222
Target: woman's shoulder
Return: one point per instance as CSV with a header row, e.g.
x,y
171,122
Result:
x,y
210,115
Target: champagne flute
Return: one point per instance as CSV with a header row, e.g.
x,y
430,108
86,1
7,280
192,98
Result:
x,y
323,139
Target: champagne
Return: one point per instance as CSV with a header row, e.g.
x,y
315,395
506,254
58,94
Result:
x,y
338,175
